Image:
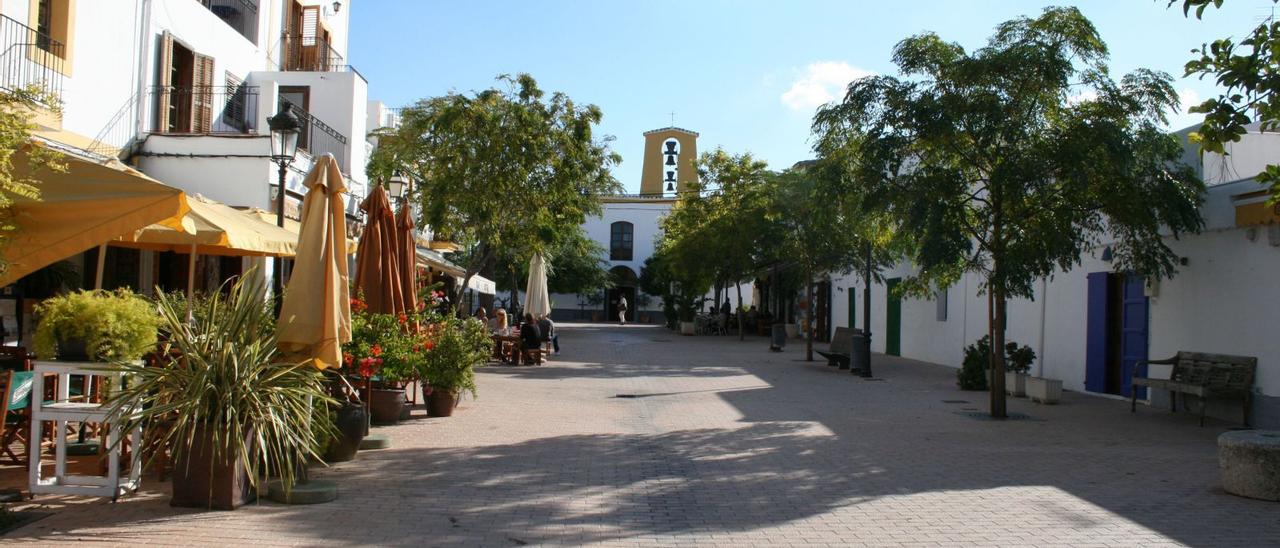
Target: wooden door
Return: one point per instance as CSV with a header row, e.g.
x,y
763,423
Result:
x,y
1095,369
853,306
1133,333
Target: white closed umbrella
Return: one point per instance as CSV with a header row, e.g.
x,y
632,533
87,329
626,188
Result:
x,y
537,300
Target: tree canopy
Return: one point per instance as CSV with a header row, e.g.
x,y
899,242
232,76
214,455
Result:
x,y
1250,72
504,171
997,162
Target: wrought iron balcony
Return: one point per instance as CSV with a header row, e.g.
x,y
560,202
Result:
x,y
30,59
241,15
305,53
204,110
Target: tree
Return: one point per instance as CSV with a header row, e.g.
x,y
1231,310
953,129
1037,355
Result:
x,y
574,265
807,230
987,165
730,232
16,107
501,171
1247,71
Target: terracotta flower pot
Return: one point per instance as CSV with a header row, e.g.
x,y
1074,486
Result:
x,y
440,403
200,481
385,405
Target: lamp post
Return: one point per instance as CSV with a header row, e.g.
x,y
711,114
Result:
x,y
284,145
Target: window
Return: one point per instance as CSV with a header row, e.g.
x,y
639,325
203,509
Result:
x,y
235,114
44,25
620,236
941,297
184,84
49,37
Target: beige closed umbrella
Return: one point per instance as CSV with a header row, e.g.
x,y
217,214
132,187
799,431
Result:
x,y
407,258
315,317
377,274
537,300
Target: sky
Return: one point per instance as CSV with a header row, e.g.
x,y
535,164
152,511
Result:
x,y
747,75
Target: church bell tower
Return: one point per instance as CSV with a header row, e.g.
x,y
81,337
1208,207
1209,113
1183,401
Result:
x,y
668,169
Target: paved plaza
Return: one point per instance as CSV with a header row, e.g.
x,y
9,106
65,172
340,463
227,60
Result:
x,y
636,436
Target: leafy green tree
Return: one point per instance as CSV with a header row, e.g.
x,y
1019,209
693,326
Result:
x,y
730,234
1247,70
987,165
16,107
501,171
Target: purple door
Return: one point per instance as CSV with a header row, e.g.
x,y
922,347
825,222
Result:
x,y
1133,333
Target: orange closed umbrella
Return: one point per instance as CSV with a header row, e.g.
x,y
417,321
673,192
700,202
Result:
x,y
377,274
315,317
407,257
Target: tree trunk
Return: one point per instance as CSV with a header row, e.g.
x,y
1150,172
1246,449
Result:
x,y
515,292
808,318
998,408
742,336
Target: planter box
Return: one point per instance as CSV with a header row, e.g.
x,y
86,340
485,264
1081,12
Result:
x,y
687,328
1015,384
1044,390
201,481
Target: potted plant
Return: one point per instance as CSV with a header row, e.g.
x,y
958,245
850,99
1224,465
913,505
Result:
x,y
350,421
379,355
100,326
1018,361
594,300
972,374
449,361
231,412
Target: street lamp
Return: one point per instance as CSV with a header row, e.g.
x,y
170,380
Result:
x,y
284,145
398,185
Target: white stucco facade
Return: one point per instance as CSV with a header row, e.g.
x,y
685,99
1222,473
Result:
x,y
1222,300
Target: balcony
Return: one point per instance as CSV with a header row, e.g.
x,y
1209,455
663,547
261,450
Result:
x,y
30,59
205,110
317,137
240,15
303,53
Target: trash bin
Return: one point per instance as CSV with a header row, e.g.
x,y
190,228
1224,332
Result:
x,y
860,357
779,336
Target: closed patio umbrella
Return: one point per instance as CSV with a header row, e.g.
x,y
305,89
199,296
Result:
x,y
537,300
407,258
377,273
315,317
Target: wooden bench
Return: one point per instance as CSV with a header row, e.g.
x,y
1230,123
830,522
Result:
x,y
1204,376
841,349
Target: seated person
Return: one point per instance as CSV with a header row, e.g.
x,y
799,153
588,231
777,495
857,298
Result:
x,y
548,330
530,340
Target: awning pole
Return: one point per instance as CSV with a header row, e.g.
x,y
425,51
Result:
x,y
191,280
102,265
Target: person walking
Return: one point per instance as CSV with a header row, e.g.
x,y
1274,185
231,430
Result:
x,y
622,310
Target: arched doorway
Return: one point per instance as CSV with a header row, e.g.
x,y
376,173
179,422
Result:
x,y
625,282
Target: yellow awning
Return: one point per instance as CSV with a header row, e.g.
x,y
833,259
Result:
x,y
292,226
88,205
219,230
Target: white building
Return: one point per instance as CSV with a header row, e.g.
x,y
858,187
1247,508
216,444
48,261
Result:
x,y
1088,325
182,90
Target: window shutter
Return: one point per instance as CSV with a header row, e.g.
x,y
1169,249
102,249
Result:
x,y
309,39
202,95
164,82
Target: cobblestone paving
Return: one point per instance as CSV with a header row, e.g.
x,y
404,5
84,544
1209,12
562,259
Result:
x,y
721,443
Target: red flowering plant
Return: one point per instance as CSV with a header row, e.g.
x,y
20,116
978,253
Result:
x,y
379,348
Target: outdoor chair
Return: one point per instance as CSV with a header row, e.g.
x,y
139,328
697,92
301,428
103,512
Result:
x,y
15,414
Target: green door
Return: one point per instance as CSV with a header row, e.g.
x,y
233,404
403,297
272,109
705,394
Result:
x,y
853,307
893,321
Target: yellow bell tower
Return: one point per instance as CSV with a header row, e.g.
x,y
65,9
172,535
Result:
x,y
669,154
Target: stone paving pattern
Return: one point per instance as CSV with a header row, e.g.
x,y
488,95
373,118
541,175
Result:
x,y
726,444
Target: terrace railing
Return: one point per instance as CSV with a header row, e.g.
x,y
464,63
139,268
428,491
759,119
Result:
x,y
305,53
205,110
317,137
30,59
241,15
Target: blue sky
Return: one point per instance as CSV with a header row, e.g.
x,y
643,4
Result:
x,y
745,74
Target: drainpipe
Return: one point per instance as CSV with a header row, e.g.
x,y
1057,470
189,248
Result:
x,y
140,90
1044,308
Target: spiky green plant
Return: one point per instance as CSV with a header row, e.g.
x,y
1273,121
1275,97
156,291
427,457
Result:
x,y
225,379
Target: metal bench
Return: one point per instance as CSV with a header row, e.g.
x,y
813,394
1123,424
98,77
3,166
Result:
x,y
1204,376
841,349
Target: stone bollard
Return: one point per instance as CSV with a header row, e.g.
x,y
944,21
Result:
x,y
1250,461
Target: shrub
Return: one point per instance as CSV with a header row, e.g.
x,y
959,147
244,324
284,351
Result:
x,y
458,346
977,357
